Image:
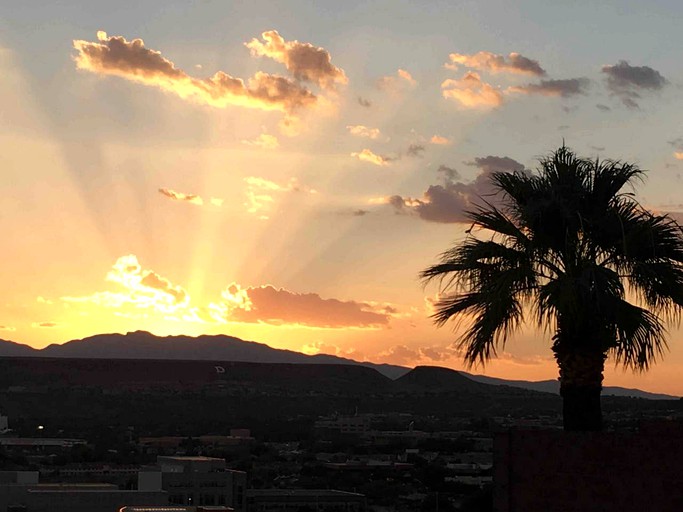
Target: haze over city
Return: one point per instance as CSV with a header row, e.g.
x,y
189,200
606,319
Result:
x,y
283,172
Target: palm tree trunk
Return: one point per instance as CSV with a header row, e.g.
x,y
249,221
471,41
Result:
x,y
580,386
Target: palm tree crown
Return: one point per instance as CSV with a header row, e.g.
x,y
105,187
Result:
x,y
571,245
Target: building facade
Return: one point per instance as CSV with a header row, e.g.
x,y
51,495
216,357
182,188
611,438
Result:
x,y
196,481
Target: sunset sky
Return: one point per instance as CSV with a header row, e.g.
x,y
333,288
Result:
x,y
282,171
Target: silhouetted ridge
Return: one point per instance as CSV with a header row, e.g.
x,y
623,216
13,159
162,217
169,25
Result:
x,y
144,345
127,373
12,349
438,379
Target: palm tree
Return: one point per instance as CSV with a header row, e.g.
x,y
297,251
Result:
x,y
569,246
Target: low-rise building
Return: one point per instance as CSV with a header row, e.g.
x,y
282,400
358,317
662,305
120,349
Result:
x,y
21,491
196,481
293,500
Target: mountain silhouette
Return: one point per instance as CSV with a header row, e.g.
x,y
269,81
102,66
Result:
x,y
13,349
146,346
438,379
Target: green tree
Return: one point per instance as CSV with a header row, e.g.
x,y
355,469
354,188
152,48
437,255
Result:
x,y
572,247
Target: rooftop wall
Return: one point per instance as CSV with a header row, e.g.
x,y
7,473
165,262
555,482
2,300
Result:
x,y
540,471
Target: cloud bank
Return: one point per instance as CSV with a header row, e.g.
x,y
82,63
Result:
x,y
471,92
360,130
277,306
447,202
306,62
559,88
133,61
367,155
491,62
628,82
144,289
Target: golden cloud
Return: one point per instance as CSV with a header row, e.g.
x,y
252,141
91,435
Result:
x,y
143,289
471,92
359,130
305,61
133,61
367,155
277,306
439,140
46,325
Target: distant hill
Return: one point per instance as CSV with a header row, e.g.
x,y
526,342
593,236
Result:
x,y
120,373
12,349
144,345
438,379
553,386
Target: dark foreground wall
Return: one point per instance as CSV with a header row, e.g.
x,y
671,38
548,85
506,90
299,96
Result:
x,y
542,471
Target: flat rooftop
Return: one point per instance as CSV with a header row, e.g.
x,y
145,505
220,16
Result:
x,y
276,493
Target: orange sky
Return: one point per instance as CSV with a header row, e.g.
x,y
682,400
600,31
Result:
x,y
286,180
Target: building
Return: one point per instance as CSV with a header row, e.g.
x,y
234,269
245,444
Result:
x,y
175,508
196,481
342,426
80,498
21,491
40,444
297,500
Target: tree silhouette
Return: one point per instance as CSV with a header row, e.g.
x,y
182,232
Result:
x,y
572,247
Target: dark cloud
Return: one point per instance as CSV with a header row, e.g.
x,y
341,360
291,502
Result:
x,y
449,172
603,108
360,213
677,143
562,88
415,150
627,82
490,164
270,305
487,61
364,103
447,202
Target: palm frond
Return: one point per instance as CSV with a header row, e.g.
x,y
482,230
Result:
x,y
640,336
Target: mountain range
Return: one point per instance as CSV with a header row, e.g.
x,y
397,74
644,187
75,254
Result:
x,y
144,345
